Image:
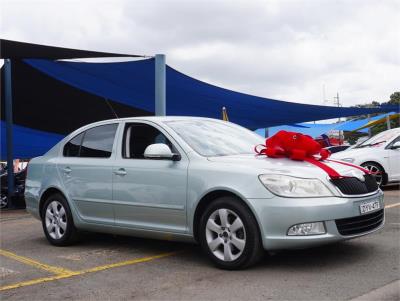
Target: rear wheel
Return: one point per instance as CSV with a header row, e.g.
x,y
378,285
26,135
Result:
x,y
229,234
3,201
377,170
57,222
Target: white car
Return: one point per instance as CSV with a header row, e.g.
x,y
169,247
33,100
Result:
x,y
380,154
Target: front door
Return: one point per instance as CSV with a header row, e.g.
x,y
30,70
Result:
x,y
149,193
86,173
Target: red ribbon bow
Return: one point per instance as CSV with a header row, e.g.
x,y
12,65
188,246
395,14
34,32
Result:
x,y
300,147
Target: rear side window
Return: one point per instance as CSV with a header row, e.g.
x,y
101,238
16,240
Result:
x,y
96,142
71,149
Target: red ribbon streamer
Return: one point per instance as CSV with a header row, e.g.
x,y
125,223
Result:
x,y
366,171
300,147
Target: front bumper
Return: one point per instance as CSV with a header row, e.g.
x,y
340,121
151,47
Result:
x,y
275,216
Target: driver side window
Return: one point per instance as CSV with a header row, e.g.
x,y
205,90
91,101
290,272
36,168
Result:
x,y
138,136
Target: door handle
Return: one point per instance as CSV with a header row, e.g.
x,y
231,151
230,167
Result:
x,y
120,172
67,170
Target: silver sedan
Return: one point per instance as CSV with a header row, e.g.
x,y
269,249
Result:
x,y
199,180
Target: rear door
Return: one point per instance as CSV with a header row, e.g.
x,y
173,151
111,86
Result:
x,y
149,193
394,161
86,172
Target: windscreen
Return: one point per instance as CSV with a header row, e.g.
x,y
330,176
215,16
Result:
x,y
212,138
378,139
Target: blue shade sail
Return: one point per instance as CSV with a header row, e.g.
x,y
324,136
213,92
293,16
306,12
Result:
x,y
28,143
315,130
132,83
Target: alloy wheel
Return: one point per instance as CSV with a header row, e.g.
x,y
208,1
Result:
x,y
56,220
376,172
225,234
3,201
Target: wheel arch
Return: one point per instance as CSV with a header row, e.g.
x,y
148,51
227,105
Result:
x,y
46,193
372,161
211,196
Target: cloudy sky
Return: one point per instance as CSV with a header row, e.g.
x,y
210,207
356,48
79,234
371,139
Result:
x,y
289,50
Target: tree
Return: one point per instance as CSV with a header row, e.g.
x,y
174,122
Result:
x,y
372,104
395,98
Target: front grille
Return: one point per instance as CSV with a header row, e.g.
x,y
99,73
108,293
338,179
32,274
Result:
x,y
351,186
360,224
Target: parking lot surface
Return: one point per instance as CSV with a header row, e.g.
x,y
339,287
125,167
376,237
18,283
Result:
x,y
106,267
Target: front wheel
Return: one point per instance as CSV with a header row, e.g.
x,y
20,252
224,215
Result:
x,y
57,222
229,234
377,171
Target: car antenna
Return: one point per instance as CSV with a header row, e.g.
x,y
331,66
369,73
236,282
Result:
x,y
112,109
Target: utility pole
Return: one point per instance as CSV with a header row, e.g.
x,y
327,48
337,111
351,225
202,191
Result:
x,y
336,101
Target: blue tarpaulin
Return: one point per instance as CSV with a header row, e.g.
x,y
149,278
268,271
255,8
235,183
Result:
x,y
355,124
28,143
132,84
315,130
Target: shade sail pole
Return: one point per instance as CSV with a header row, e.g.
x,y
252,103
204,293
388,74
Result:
x,y
9,130
160,84
388,121
369,129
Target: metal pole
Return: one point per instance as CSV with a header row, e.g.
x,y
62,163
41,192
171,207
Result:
x,y
369,129
339,105
160,101
9,130
388,121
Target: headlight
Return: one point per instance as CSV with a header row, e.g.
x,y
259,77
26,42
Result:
x,y
351,160
288,186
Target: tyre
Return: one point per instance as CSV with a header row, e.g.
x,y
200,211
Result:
x,y
3,201
375,168
229,234
57,222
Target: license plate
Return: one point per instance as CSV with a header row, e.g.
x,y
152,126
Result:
x,y
369,206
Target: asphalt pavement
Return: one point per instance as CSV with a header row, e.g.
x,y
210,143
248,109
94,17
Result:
x,y
106,267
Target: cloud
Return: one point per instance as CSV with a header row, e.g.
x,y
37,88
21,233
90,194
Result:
x,y
278,49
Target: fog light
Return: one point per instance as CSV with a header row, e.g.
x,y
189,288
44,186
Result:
x,y
307,229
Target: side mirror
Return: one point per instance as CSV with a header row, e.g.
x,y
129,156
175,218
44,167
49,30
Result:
x,y
396,145
160,151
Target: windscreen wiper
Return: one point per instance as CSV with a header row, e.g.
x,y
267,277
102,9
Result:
x,y
371,144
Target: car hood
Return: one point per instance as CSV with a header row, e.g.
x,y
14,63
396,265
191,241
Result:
x,y
354,153
302,169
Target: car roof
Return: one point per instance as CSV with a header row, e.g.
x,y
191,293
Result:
x,y
393,130
155,119
163,118
151,118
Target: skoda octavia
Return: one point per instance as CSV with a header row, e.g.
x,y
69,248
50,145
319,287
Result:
x,y
195,179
